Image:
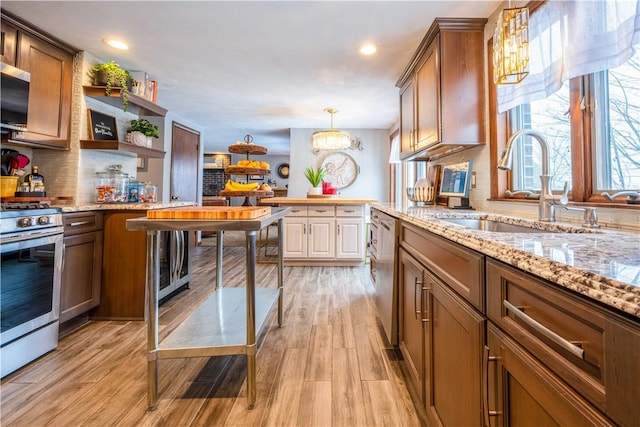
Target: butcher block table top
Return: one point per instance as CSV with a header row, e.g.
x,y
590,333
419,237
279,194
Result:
x,y
317,201
211,212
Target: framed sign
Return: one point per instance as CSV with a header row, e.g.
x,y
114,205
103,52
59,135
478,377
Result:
x,y
102,127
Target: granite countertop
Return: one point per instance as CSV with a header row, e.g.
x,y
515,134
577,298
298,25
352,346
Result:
x,y
317,201
123,206
601,264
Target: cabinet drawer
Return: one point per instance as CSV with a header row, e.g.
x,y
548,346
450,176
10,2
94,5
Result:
x,y
593,350
460,268
348,210
321,211
298,211
82,222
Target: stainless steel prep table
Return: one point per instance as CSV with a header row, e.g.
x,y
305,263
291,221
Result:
x,y
217,327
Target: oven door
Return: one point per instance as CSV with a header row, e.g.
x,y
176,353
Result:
x,y
30,283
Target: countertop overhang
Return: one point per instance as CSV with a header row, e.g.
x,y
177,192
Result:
x,y
316,201
123,206
603,265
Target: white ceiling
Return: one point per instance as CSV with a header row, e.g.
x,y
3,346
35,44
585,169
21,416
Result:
x,y
262,67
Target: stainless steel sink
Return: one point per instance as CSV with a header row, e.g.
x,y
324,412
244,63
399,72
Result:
x,y
495,226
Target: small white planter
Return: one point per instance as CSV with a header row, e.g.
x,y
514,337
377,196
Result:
x,y
314,191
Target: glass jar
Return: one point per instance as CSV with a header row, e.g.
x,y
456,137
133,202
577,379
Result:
x,y
149,193
112,187
136,188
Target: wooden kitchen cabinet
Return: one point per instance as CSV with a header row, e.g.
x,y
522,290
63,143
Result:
x,y
522,391
50,63
8,40
442,91
82,266
454,355
412,314
321,233
582,346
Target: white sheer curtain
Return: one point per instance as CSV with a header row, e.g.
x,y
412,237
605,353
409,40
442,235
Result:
x,y
570,39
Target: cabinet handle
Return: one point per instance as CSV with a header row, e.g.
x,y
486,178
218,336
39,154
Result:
x,y
486,412
349,211
309,229
304,228
417,282
76,224
64,249
538,327
338,229
320,210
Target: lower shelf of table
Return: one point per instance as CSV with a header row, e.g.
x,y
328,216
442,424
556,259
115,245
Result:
x,y
219,325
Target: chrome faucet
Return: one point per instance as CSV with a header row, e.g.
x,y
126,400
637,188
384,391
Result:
x,y
633,197
547,201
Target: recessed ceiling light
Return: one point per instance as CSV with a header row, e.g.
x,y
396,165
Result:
x,y
367,49
116,44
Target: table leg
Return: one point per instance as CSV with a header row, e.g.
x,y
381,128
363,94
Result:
x,y
251,316
219,249
153,283
280,269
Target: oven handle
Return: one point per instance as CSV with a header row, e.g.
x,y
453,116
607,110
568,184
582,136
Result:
x,y
24,237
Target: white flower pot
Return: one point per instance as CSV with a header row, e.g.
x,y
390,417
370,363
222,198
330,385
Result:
x,y
314,191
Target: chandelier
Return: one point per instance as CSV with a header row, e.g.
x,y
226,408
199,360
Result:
x,y
331,139
511,46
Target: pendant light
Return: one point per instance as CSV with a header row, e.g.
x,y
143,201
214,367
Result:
x,y
331,139
511,46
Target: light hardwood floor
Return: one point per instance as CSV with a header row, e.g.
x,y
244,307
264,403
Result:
x,y
325,366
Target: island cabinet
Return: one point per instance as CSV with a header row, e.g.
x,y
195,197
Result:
x,y
441,325
555,358
442,91
324,233
82,266
50,63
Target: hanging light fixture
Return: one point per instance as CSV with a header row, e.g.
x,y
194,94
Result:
x,y
511,46
331,139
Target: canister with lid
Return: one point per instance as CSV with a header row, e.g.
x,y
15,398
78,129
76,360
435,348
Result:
x,y
112,187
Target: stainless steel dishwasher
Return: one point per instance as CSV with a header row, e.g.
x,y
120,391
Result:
x,y
385,284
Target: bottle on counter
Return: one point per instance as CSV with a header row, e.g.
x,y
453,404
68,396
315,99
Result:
x,y
35,180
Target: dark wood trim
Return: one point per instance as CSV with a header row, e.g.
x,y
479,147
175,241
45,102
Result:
x,y
497,132
579,167
122,146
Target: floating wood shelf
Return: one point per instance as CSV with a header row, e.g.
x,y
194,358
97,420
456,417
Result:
x,y
122,146
137,104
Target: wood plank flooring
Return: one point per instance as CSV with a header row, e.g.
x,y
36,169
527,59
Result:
x,y
325,366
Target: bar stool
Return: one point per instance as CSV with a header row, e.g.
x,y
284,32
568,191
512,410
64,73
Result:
x,y
263,255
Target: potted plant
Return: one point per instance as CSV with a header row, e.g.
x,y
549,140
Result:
x,y
140,132
315,177
110,75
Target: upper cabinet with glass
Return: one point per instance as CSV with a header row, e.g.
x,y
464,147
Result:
x,y
442,101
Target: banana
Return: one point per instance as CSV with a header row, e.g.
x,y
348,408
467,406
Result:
x,y
236,186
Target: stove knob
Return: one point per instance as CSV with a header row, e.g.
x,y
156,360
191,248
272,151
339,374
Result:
x,y
26,222
44,220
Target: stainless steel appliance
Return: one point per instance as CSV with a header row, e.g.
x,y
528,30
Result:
x,y
31,253
385,229
175,262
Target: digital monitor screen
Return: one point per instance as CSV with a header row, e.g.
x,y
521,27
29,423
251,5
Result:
x,y
456,179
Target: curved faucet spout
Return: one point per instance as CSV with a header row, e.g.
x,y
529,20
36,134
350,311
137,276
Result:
x,y
505,159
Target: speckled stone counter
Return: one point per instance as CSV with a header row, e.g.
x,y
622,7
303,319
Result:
x,y
123,206
601,264
317,201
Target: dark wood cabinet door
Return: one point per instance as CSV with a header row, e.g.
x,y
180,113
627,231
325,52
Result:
x,y
406,119
81,275
8,40
455,355
523,392
51,71
427,105
411,327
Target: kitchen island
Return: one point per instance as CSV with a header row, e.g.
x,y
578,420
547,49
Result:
x,y
539,321
225,323
325,230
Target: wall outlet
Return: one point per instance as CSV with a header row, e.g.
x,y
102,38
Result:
x,y
473,180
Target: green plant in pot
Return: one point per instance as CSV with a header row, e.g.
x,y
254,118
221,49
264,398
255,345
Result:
x,y
140,132
315,177
111,75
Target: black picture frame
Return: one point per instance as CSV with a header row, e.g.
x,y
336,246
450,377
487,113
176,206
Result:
x,y
102,127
